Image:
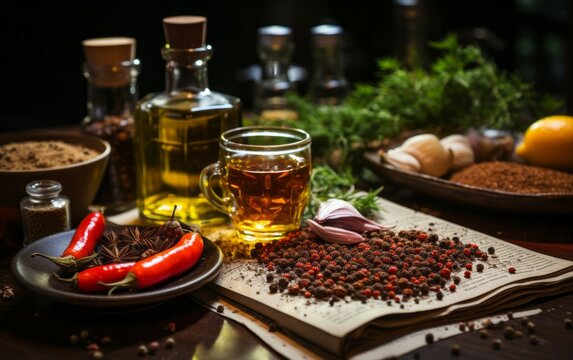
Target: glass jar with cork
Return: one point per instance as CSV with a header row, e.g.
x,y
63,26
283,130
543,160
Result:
x,y
111,70
44,211
178,130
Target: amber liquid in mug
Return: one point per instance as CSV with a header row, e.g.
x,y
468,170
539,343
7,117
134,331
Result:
x,y
270,194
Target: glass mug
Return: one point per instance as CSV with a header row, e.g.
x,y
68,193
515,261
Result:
x,y
262,180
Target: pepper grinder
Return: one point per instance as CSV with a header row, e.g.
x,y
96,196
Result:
x,y
111,71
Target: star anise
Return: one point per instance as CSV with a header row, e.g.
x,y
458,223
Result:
x,y
131,244
157,243
113,254
130,236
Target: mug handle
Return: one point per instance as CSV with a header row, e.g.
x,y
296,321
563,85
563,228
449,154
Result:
x,y
210,177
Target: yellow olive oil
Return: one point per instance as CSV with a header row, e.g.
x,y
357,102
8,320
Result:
x,y
177,137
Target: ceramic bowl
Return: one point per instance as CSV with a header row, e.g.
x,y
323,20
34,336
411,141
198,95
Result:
x,y
80,181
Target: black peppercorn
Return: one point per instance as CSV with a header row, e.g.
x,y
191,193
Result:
x,y
273,288
530,327
509,332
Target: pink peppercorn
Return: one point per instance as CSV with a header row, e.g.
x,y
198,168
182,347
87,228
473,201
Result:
x,y
511,270
467,274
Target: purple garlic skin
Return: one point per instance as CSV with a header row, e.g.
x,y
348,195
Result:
x,y
334,235
337,221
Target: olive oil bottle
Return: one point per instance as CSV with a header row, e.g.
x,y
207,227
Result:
x,y
177,131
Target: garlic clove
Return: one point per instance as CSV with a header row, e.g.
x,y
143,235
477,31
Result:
x,y
355,224
334,235
434,158
455,138
463,154
400,159
335,208
341,214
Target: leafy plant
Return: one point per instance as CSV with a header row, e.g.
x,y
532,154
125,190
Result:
x,y
462,89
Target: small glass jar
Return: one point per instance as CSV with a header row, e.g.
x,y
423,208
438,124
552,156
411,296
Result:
x,y
44,211
112,95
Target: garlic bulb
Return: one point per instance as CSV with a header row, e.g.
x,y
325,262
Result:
x,y
434,158
401,160
459,145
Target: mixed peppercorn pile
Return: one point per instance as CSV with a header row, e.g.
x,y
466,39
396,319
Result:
x,y
390,266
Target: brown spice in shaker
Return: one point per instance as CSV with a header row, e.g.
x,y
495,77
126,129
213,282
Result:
x,y
44,221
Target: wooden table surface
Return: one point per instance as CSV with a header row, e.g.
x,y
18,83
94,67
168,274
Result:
x,y
34,328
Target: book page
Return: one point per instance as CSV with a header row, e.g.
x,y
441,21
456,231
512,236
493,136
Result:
x,y
247,279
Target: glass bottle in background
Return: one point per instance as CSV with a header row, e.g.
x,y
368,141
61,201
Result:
x,y
177,131
275,48
328,85
409,40
44,211
111,72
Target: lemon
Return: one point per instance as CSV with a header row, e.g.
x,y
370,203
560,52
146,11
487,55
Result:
x,y
548,142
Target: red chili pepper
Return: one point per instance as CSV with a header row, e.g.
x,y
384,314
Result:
x,y
164,265
88,280
80,251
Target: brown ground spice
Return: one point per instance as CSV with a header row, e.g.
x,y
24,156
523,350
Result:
x,y
32,155
515,178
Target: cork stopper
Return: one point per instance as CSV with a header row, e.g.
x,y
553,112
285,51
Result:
x,y
185,32
106,59
109,51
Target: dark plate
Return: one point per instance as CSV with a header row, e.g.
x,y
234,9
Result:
x,y
36,274
469,195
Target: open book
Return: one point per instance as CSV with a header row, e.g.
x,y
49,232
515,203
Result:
x,y
347,327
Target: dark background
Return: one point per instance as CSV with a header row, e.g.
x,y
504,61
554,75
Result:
x,y
42,54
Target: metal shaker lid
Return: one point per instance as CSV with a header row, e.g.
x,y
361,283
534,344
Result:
x,y
274,36
327,35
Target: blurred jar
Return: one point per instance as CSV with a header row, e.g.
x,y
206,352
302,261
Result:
x,y
275,48
409,33
328,85
112,93
44,211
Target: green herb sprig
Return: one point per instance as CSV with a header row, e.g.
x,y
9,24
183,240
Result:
x,y
326,183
